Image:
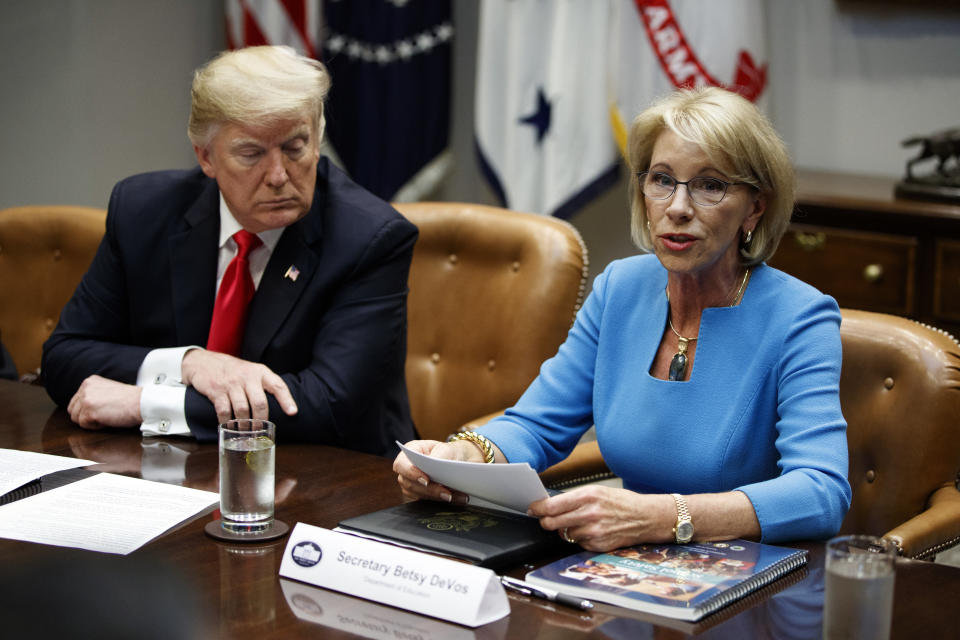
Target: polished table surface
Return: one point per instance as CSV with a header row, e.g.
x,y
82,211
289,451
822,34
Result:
x,y
217,589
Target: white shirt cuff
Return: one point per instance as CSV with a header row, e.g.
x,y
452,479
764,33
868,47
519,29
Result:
x,y
162,366
162,412
164,395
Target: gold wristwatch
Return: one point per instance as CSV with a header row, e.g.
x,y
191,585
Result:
x,y
683,530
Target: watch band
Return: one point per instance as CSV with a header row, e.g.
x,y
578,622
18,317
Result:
x,y
683,512
683,530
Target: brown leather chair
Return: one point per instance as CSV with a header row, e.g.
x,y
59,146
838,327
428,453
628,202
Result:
x,y
493,293
900,394
44,251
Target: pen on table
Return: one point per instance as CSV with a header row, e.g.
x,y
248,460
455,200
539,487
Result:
x,y
547,594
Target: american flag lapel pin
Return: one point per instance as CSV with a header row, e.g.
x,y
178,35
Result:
x,y
293,273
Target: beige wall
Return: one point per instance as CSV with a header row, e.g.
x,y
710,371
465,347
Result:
x,y
94,90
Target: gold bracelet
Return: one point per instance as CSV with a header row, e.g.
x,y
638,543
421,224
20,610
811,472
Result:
x,y
486,447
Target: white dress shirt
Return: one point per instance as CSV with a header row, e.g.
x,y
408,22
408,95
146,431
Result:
x,y
164,394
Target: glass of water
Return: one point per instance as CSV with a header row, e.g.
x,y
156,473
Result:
x,y
247,454
858,600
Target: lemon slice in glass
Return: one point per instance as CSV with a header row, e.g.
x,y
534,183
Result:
x,y
258,457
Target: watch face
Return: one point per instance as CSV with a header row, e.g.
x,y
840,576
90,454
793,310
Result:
x,y
684,531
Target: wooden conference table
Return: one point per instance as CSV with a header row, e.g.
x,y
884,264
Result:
x,y
231,590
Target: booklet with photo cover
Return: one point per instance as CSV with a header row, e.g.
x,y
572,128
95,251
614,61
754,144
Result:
x,y
486,537
686,582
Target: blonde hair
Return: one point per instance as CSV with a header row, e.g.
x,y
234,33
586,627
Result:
x,y
256,86
738,139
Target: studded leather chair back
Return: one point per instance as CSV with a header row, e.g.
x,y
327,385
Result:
x,y
900,393
44,251
493,294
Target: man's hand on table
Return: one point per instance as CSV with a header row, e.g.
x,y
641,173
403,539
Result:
x,y
100,402
237,388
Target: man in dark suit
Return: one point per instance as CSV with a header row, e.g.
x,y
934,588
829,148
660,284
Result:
x,y
292,276
8,369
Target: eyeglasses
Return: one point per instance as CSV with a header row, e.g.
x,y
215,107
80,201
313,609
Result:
x,y
704,191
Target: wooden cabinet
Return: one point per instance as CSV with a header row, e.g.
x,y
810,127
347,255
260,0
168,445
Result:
x,y
946,301
866,270
851,238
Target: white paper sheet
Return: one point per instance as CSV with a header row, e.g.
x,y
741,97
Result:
x,y
105,512
17,468
514,485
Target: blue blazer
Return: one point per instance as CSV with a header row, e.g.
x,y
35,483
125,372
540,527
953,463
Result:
x,y
336,333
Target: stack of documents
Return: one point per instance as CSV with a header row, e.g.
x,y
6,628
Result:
x,y
104,512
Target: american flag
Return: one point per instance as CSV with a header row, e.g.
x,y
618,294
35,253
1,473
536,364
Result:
x,y
295,23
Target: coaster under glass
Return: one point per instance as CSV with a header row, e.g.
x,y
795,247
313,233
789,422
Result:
x,y
277,529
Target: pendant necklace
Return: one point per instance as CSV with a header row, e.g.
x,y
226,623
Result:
x,y
678,364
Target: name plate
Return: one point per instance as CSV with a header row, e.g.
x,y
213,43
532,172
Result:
x,y
384,573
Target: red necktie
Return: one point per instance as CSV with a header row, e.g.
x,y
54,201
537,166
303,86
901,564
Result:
x,y
233,298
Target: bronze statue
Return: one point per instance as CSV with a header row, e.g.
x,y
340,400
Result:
x,y
944,182
943,145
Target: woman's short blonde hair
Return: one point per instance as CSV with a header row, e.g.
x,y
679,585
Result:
x,y
256,86
740,142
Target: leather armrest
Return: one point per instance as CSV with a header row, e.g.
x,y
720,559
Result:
x,y
585,464
934,530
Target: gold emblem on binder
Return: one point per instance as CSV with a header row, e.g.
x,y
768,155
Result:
x,y
457,521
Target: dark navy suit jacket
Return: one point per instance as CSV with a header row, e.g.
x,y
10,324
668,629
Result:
x,y
8,369
336,333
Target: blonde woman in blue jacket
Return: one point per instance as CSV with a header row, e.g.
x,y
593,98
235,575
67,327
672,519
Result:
x,y
711,377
